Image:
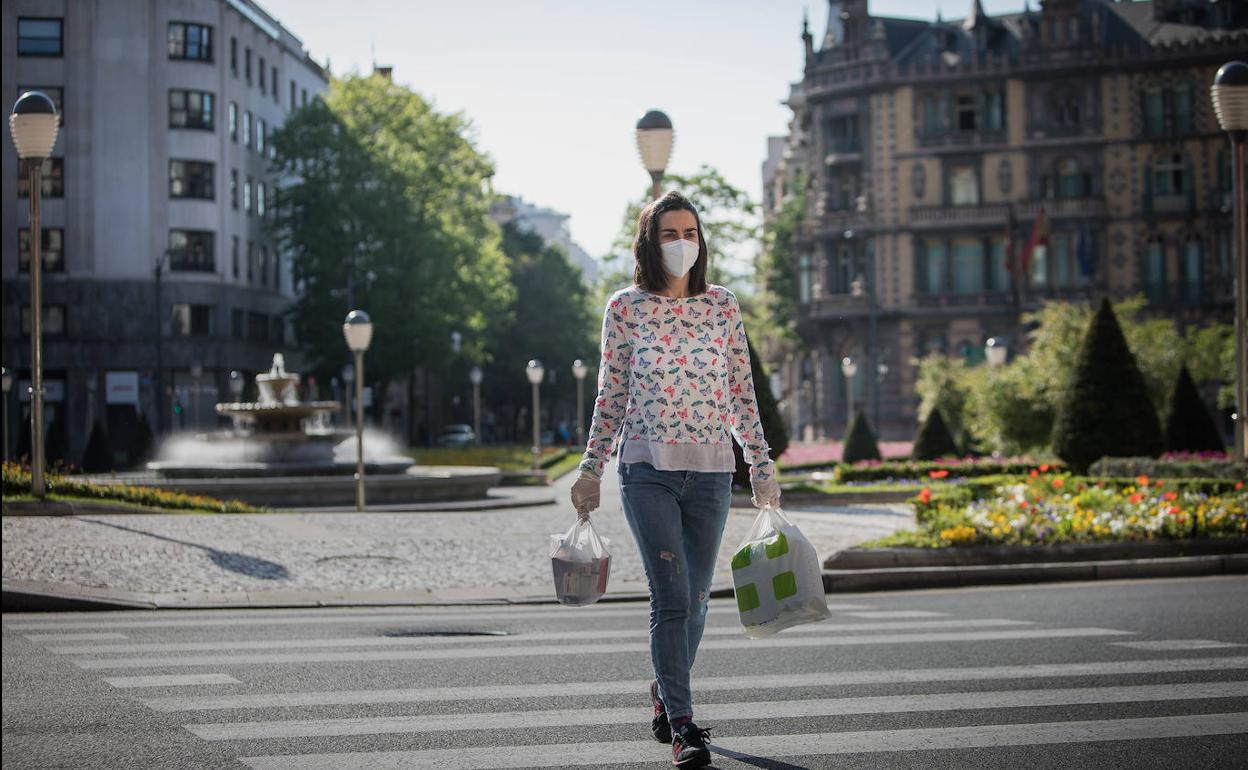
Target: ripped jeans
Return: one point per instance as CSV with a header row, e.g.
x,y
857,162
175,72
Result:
x,y
677,519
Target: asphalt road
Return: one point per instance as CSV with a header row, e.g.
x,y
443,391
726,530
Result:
x,y
1132,674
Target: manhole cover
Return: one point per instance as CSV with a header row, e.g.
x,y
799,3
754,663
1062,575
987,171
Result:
x,y
352,557
402,633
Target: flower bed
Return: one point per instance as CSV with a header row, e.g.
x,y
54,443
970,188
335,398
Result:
x,y
969,467
1045,508
17,483
1173,465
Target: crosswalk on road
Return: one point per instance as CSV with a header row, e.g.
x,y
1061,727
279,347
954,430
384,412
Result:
x,y
555,687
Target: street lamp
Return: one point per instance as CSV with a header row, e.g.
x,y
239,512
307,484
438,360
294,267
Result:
x,y
474,375
579,370
6,380
849,368
535,372
236,385
1230,102
33,126
654,141
358,332
197,371
995,351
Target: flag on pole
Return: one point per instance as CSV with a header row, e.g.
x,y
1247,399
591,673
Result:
x,y
1083,253
1039,237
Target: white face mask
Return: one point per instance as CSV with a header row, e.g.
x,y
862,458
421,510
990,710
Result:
x,y
679,257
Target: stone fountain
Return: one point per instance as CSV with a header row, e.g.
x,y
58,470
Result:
x,y
282,451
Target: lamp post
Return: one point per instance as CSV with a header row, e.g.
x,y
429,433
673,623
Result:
x,y
6,380
357,329
849,368
474,375
33,126
236,385
995,351
348,377
535,372
655,137
1230,102
197,371
579,370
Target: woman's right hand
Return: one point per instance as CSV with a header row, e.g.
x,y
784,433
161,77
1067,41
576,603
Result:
x,y
586,492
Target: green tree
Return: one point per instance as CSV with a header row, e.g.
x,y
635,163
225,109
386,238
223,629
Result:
x,y
1189,427
769,415
860,442
1106,410
934,440
384,206
778,262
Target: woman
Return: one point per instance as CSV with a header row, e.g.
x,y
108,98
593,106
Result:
x,y
675,381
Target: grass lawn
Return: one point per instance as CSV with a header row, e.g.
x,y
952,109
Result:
x,y
556,461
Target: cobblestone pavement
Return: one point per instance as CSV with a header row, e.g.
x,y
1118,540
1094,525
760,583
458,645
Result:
x,y
361,552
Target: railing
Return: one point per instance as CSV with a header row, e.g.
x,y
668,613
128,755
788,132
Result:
x,y
949,299
958,138
835,305
998,213
1188,293
1061,208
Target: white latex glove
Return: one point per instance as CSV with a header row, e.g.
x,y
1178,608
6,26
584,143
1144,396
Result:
x,y
766,492
586,492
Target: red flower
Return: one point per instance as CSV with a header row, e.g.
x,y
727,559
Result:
x,y
1035,473
1044,468
1170,496
938,474
1174,511
1024,504
1136,498
925,496
1058,483
1158,483
1141,480
1239,485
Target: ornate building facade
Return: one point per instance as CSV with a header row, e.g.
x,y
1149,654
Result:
x,y
928,152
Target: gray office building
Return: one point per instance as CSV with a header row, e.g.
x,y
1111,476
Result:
x,y
158,264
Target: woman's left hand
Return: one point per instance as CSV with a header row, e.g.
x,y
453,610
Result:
x,y
766,492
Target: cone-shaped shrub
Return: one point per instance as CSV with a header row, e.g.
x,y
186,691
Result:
x,y
768,414
1105,411
98,456
1189,427
934,440
860,442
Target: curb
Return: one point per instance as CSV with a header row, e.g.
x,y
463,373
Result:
x,y
989,555
59,508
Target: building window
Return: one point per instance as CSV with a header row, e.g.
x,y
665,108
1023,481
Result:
x,y
191,109
192,251
247,66
1063,251
964,107
303,93
277,270
1071,181
191,179
1154,269
260,190
40,37
1170,176
968,265
247,128
247,195
994,110
933,114
1040,265
260,72
234,255
1223,241
51,316
53,179
55,93
257,327
1182,101
1170,110
1192,270
998,272
237,320
1065,108
932,267
234,189
251,262
1154,112
234,56
190,41
52,254
264,266
963,186
293,105
191,320
261,129
805,270
233,122
273,82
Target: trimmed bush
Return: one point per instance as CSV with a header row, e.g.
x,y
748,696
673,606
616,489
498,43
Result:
x,y
1170,469
1190,428
934,440
922,471
98,456
860,444
1105,411
768,412
16,481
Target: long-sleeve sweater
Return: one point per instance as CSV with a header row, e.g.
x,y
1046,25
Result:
x,y
674,380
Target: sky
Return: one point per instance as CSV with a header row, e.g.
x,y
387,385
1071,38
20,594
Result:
x,y
554,88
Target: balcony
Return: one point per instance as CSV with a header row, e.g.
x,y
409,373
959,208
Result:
x,y
1063,208
1183,293
833,306
832,224
963,301
961,139
997,214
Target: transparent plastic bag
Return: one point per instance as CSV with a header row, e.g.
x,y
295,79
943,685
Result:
x,y
580,563
777,577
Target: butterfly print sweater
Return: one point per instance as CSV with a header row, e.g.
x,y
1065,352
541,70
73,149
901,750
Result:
x,y
674,382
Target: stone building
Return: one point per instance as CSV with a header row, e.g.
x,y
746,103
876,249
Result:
x,y
925,148
161,168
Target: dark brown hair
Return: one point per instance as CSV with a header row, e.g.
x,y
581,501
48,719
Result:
x,y
649,273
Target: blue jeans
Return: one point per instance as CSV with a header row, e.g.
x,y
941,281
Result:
x,y
677,519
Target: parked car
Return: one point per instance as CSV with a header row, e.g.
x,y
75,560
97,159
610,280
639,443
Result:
x,y
457,435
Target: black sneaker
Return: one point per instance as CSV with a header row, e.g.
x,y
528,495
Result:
x,y
689,746
661,728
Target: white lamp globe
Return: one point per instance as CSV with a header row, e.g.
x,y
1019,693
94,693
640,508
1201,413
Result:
x,y
849,367
579,369
358,331
474,375
535,372
654,140
34,125
1230,96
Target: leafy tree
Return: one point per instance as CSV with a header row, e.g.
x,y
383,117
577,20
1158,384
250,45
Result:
x,y
778,263
860,443
384,206
1106,410
1189,428
769,415
98,455
934,440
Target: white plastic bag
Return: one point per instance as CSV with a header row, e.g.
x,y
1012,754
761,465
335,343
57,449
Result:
x,y
777,577
581,564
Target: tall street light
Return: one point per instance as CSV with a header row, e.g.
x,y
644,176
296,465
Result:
x,y
849,368
358,332
579,370
33,125
236,385
475,376
7,380
1230,102
655,137
535,372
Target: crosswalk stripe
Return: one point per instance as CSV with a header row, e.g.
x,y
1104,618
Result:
x,y
584,649
720,712
897,614
702,684
170,680
388,641
1171,645
75,637
752,747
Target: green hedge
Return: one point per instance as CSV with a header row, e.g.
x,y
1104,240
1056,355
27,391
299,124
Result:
x,y
912,469
17,483
1169,469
